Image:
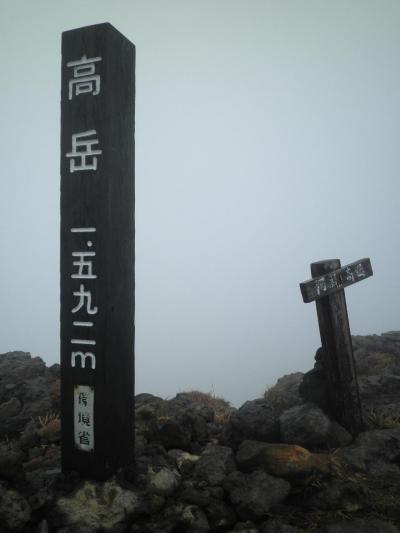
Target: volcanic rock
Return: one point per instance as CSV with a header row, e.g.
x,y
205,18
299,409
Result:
x,y
254,494
283,460
25,385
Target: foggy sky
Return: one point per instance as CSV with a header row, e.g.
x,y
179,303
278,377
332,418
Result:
x,y
267,137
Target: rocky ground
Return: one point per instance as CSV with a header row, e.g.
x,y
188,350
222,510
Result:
x,y
278,464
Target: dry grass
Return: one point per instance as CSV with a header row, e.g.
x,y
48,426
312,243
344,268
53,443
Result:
x,y
221,407
50,427
49,418
380,502
383,420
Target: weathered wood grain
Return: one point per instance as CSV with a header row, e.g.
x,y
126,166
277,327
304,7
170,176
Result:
x,y
321,286
104,199
338,361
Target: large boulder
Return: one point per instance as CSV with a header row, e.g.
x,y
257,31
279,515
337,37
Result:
x,y
339,494
193,519
254,494
27,390
372,446
377,354
285,393
256,419
282,460
380,398
97,507
307,425
214,464
377,361
180,423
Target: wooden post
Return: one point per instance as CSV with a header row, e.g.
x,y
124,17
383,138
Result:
x,y
97,250
327,289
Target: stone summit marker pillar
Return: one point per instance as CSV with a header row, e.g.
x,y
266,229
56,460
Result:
x,y
97,250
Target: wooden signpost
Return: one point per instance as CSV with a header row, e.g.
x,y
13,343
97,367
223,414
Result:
x,y
97,250
327,289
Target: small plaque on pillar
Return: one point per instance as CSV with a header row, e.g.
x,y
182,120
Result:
x,y
83,418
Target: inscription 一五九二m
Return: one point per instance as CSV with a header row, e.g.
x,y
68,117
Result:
x,y
84,307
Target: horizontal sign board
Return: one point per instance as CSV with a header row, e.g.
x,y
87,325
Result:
x,y
318,287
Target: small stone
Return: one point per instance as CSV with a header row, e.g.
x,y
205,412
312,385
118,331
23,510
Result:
x,y
163,482
220,516
194,519
185,461
14,509
195,496
215,463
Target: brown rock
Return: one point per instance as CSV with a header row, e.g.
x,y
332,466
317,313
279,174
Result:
x,y
282,460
